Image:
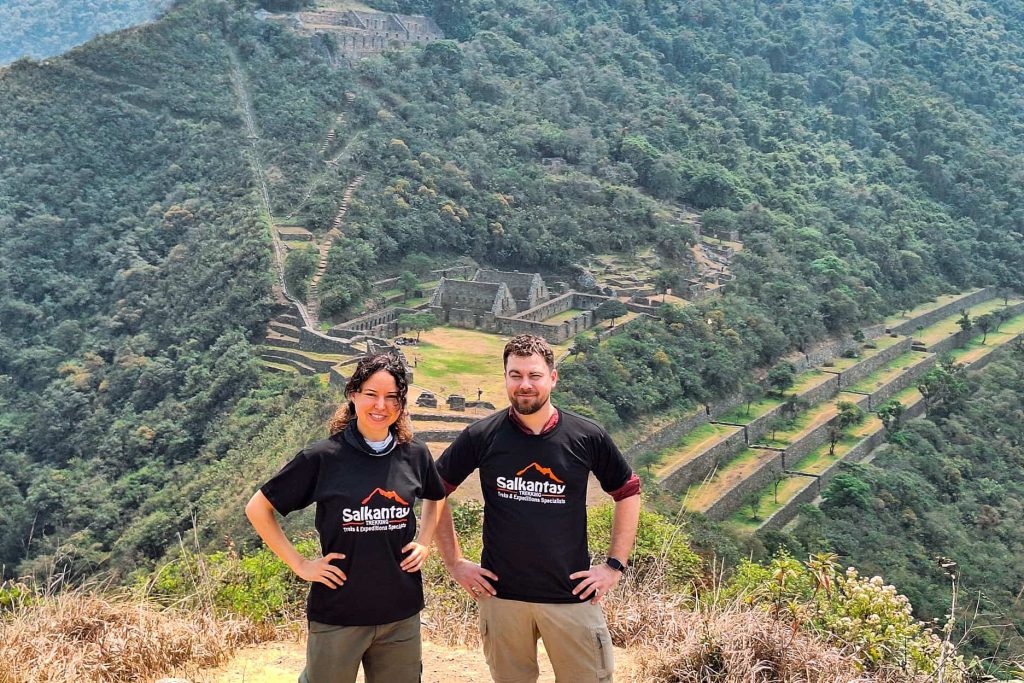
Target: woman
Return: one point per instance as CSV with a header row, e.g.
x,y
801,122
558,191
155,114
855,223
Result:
x,y
366,592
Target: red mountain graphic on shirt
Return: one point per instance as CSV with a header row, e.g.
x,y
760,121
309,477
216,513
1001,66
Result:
x,y
546,471
390,495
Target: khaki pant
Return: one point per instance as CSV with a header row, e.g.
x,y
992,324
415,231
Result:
x,y
389,653
575,636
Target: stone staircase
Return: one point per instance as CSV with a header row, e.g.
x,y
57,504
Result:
x,y
332,134
313,298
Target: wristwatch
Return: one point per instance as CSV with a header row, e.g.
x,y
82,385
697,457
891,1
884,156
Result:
x,y
615,564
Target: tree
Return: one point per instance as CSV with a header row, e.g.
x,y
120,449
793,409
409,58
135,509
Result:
x,y
663,281
418,263
781,377
299,265
775,424
751,391
985,323
965,321
584,344
610,310
418,322
792,407
408,282
849,414
891,414
944,388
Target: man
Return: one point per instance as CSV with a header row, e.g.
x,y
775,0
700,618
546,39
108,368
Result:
x,y
535,576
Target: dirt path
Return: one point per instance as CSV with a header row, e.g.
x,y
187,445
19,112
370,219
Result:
x,y
282,661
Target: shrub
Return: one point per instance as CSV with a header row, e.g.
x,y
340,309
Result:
x,y
866,617
662,547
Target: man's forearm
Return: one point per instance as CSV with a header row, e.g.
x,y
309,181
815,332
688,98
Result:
x,y
624,522
445,537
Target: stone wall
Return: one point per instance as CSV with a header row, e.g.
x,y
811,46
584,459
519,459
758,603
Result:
x,y
337,378
815,438
821,352
954,341
907,379
321,343
438,434
914,410
873,331
315,363
695,469
666,436
910,326
757,427
823,391
857,372
552,307
962,337
732,499
991,356
816,485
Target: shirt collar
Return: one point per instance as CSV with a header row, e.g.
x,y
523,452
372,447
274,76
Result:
x,y
518,422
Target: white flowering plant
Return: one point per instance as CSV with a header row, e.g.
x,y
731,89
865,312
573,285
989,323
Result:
x,y
864,615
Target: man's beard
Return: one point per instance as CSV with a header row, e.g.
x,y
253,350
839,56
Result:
x,y
528,405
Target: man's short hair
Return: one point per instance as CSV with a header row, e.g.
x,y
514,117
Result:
x,y
527,345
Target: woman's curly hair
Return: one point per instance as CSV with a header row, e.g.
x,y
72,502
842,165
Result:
x,y
367,366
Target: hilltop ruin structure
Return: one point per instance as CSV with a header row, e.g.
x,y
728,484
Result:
x,y
360,34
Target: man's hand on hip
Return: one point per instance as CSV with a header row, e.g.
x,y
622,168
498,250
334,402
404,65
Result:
x,y
596,583
473,578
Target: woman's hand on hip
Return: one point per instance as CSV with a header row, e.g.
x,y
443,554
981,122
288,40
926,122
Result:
x,y
322,571
417,555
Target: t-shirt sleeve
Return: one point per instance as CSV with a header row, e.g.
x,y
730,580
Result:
x,y
459,460
294,486
608,464
430,481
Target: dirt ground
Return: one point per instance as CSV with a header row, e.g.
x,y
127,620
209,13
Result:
x,y
282,661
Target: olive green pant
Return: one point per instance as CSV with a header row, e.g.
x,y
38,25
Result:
x,y
389,653
575,636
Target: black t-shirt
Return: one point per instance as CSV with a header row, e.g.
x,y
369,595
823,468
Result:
x,y
535,499
363,510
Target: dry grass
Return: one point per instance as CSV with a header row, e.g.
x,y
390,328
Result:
x,y
78,636
673,640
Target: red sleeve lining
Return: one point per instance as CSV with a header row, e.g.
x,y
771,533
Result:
x,y
448,488
630,488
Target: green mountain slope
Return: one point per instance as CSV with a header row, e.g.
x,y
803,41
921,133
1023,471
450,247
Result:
x,y
867,166
43,28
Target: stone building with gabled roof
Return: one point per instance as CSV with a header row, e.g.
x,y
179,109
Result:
x,y
528,289
493,298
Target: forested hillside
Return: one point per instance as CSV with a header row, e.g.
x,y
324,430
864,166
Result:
x,y
945,500
869,155
42,28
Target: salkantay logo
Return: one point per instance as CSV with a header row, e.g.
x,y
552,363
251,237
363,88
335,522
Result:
x,y
551,490
385,518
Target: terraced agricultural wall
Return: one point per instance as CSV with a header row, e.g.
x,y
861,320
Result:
x,y
954,341
666,436
856,373
816,485
315,363
822,392
731,500
898,384
816,437
759,426
677,479
942,312
989,357
321,343
821,352
873,331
